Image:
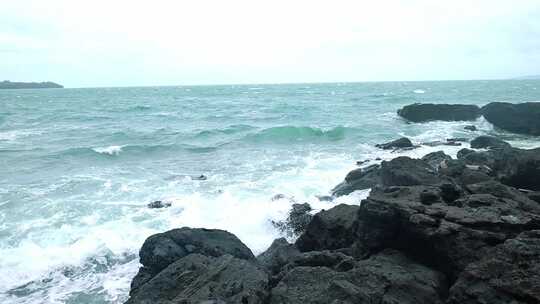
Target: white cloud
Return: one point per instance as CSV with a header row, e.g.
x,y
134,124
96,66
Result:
x,y
85,43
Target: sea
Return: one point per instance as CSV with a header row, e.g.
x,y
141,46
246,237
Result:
x,y
78,167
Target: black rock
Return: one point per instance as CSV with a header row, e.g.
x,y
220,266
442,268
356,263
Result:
x,y
509,273
461,153
434,159
297,221
523,118
405,171
158,204
199,177
198,278
358,179
447,112
401,143
163,249
387,277
330,229
470,128
278,255
488,142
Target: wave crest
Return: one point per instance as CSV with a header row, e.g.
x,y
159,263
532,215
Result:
x,y
291,133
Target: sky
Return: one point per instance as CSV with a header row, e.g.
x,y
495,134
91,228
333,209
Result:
x,y
130,43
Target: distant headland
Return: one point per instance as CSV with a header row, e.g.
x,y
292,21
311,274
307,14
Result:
x,y
6,84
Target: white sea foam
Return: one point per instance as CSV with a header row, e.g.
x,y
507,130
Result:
x,y
110,150
419,91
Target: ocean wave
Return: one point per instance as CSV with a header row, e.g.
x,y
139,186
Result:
x,y
233,129
130,150
418,91
291,133
110,150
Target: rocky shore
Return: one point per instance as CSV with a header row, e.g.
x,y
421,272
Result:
x,y
432,230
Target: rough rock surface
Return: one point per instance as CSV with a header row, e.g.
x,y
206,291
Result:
x,y
388,277
488,142
162,249
400,143
523,118
321,232
448,112
299,217
510,273
197,278
359,179
435,159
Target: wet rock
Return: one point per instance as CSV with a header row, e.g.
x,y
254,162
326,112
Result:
x,y
278,197
325,198
470,128
401,143
388,277
445,235
297,221
201,177
405,171
198,278
358,179
461,153
158,204
435,159
330,229
447,112
163,249
523,118
510,273
278,255
488,142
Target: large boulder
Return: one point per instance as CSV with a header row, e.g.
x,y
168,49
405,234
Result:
x,y
510,273
278,255
515,167
400,143
405,171
387,277
330,229
448,112
299,217
447,234
523,118
162,249
435,159
488,142
198,278
359,179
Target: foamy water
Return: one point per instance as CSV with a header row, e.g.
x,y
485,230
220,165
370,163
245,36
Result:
x,y
78,168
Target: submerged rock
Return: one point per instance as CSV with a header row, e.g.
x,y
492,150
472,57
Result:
x,y
448,112
523,118
470,128
401,143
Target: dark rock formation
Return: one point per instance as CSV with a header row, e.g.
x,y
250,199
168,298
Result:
x,y
405,171
523,118
29,85
162,249
461,153
388,277
321,232
488,142
401,143
449,112
299,217
159,204
359,179
435,159
510,273
278,255
198,278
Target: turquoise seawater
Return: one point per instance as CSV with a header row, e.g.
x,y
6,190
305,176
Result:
x,y
79,166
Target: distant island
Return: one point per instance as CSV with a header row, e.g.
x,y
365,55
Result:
x,y
6,84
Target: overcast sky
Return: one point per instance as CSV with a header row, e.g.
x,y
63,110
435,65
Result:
x,y
127,43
